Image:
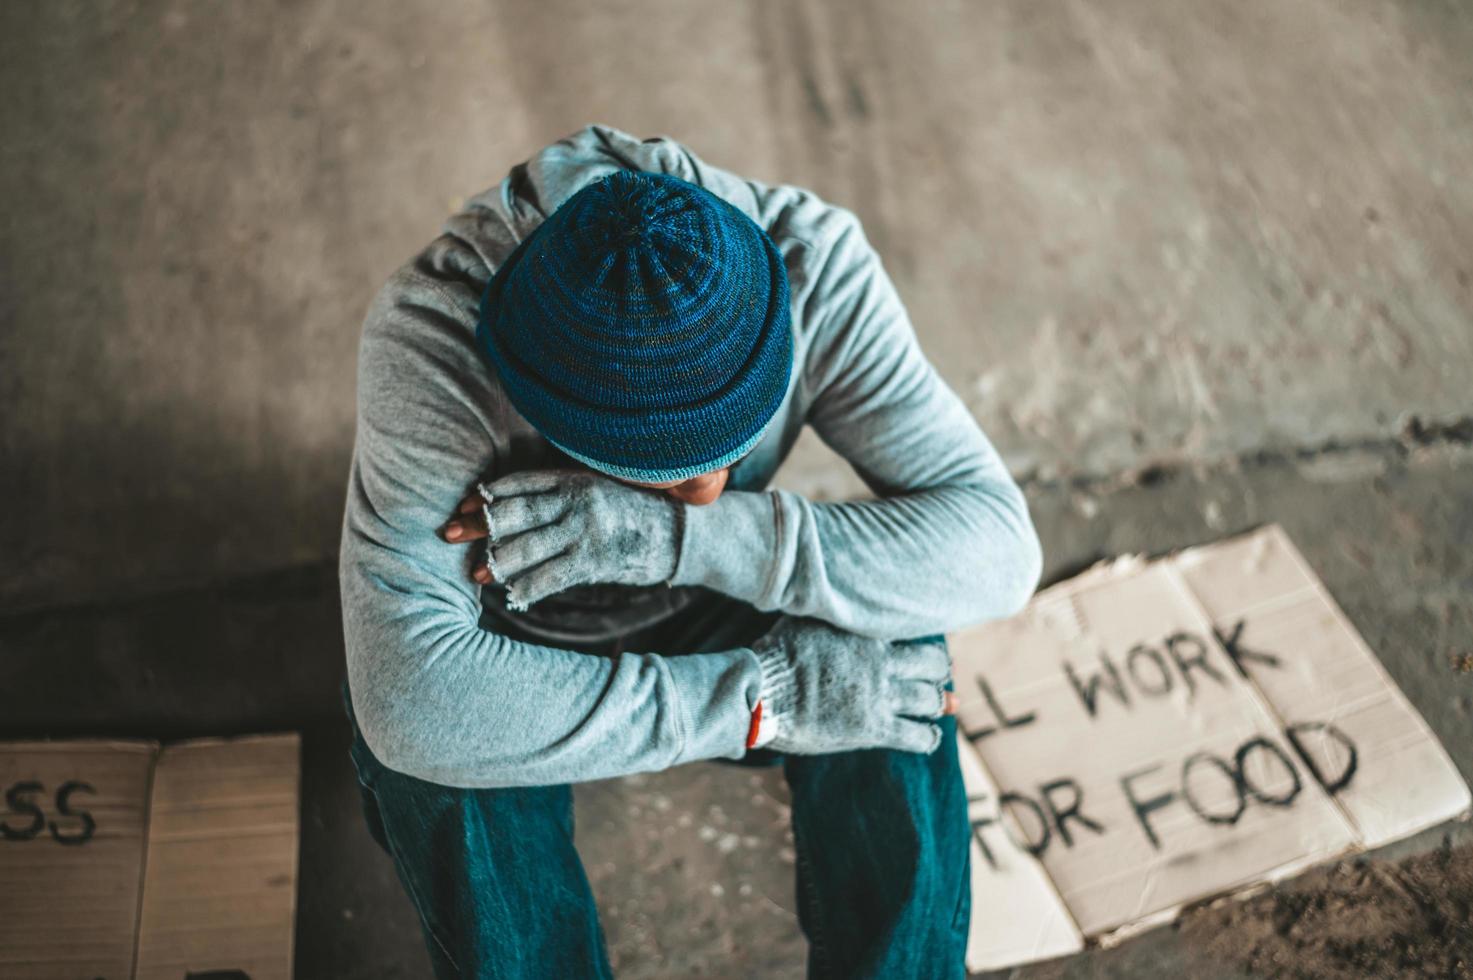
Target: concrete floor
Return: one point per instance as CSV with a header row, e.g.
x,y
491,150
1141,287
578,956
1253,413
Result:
x,y
1192,273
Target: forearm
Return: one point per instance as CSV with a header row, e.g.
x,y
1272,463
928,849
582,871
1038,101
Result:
x,y
929,561
443,700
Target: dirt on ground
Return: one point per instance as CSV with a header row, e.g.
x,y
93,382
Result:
x,y
1359,919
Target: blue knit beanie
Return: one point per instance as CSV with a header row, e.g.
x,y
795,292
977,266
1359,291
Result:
x,y
643,328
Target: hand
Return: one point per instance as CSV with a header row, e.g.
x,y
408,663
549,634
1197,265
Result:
x,y
552,529
832,691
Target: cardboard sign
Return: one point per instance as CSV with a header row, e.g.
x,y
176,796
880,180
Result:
x,y
1151,734
71,857
124,859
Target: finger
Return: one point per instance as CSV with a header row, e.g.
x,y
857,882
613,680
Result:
x,y
482,573
513,515
530,548
921,661
472,503
923,699
466,527
523,482
548,578
915,736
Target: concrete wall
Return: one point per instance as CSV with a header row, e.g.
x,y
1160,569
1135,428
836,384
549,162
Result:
x,y
1127,234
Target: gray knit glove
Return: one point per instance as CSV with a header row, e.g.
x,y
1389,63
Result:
x,y
552,529
831,691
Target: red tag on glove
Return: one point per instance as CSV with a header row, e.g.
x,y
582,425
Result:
x,y
756,724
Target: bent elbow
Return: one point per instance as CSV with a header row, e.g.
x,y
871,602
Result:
x,y
398,758
1014,552
438,727
406,745
1029,566
401,722
384,732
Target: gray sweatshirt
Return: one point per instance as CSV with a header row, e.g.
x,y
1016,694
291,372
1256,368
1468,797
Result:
x,y
441,693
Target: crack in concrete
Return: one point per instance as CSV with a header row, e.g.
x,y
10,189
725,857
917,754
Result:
x,y
1416,433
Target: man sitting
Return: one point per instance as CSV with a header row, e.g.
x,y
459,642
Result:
x,y
561,561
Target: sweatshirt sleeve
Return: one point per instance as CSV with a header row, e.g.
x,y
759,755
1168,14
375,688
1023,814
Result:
x,y
948,541
435,695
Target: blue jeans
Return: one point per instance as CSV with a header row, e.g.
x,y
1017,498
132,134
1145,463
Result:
x,y
881,838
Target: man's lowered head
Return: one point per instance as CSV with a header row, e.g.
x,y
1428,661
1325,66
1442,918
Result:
x,y
643,328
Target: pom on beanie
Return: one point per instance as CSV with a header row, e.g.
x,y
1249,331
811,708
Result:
x,y
643,328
